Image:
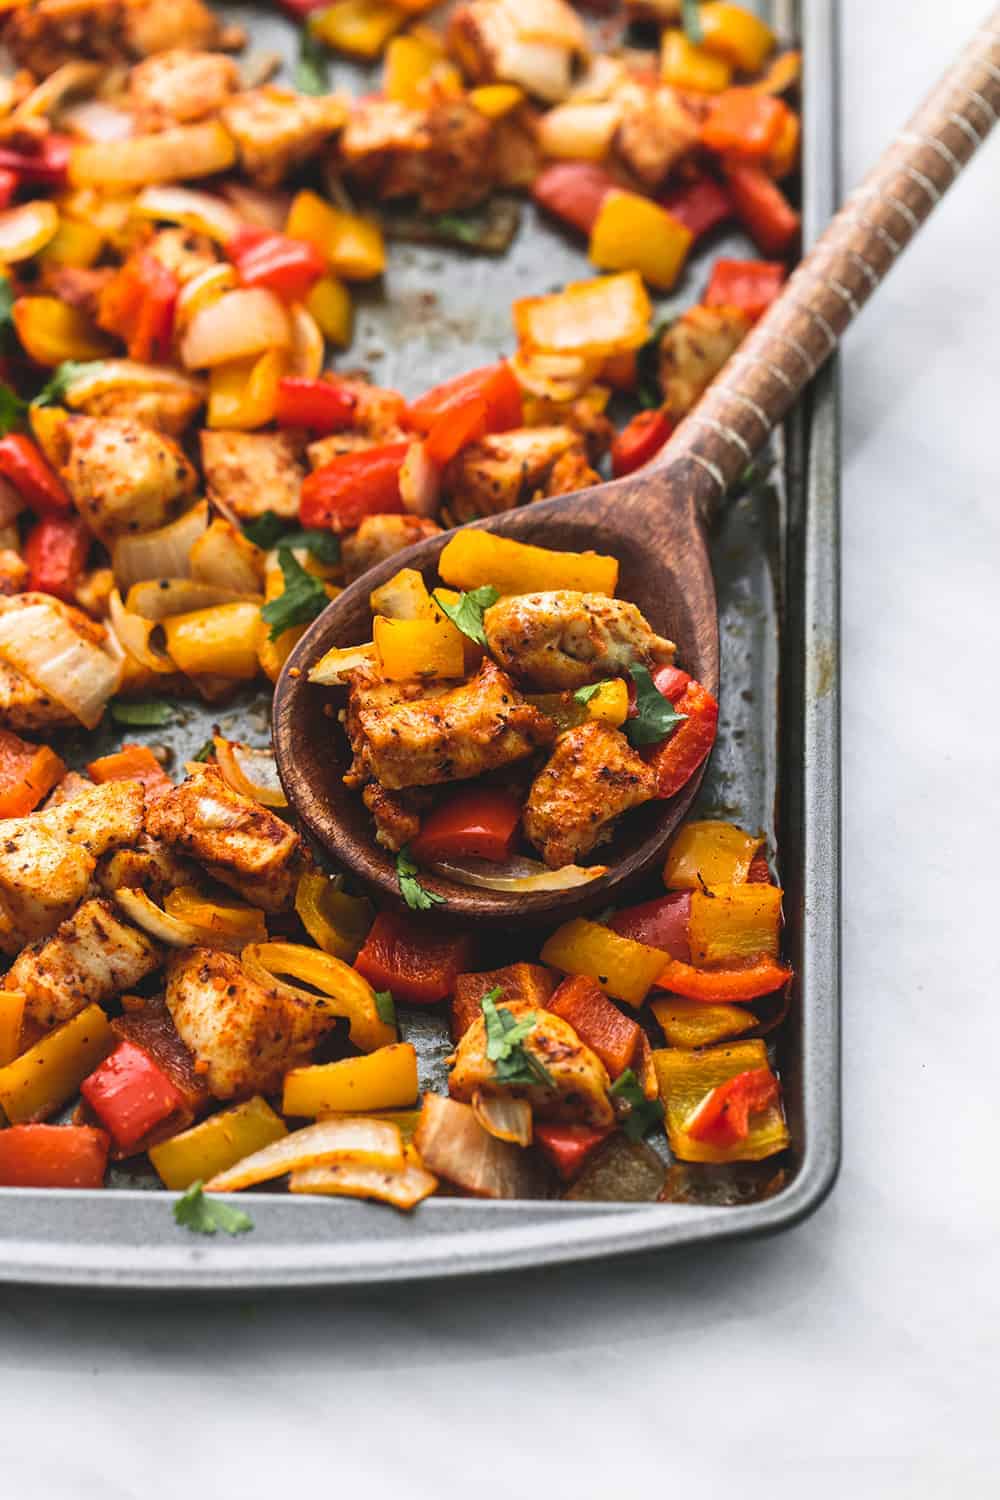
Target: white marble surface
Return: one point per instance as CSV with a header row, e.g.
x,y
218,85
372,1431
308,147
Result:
x,y
857,1352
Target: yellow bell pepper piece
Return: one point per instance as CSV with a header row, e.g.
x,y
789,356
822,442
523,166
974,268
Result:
x,y
353,245
693,1023
783,72
11,1016
686,66
609,705
360,28
733,922
709,852
216,1144
474,558
386,1079
336,922
222,914
74,243
47,424
343,991
409,62
331,306
633,234
685,1079
219,642
418,648
624,969
44,1078
733,33
404,596
272,655
51,331
604,316
494,100
244,393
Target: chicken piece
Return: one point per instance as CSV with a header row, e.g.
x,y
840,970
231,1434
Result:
x,y
507,41
162,25
505,469
457,169
25,707
592,776
377,418
277,129
170,409
90,958
517,156
43,879
531,984
249,473
580,1082
179,86
397,820
244,1036
124,477
409,734
13,572
71,786
570,472
564,639
149,866
237,840
46,34
694,349
382,136
98,818
656,132
182,251
379,537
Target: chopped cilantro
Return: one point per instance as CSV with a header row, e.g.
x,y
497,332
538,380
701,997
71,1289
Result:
x,y
206,753
584,694
311,76
505,1045
12,409
385,1005
412,892
468,613
6,303
141,713
643,1113
264,530
656,718
63,377
303,599
691,21
465,230
208,1215
271,530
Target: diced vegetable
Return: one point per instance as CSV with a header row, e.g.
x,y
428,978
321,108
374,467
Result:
x,y
631,233
676,759
241,323
474,559
568,1147
221,641
763,208
736,34
723,1117
131,763
761,978
597,1022
404,1187
475,821
342,991
45,1077
183,151
27,229
224,921
322,405
336,922
216,1144
407,956
11,1018
289,267
574,192
130,1095
360,28
702,204
639,441
139,305
384,1079
601,317
730,923
39,486
76,672
368,1142
27,774
709,852
750,285
660,923
352,244
621,1171
744,123
453,1145
53,1156
56,553
624,969
691,1023
686,1081
343,492
52,332
685,65
416,648
580,130
494,100
335,667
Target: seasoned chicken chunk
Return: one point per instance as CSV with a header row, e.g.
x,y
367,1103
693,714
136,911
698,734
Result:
x,y
591,778
98,818
159,25
277,129
570,472
408,734
507,41
379,537
91,957
183,251
45,34
244,1036
382,136
239,842
456,167
505,469
251,472
655,134
25,707
124,477
171,409
376,419
180,86
580,1082
71,786
148,865
43,879
694,349
566,639
397,820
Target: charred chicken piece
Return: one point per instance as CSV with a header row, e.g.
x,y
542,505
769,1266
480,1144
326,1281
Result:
x,y
694,349
566,639
43,878
253,472
277,129
506,469
124,477
591,778
379,537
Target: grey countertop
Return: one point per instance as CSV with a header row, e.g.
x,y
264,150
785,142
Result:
x,y
856,1353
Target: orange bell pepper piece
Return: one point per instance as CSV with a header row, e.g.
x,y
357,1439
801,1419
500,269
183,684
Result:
x,y
732,923
742,122
132,763
528,984
761,978
27,773
53,1156
599,1024
762,207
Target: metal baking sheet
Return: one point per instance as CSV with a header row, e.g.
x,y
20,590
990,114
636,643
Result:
x,y
776,765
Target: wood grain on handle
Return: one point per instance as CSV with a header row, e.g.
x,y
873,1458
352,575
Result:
x,y
803,327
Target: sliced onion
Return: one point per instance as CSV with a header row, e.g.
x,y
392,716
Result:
x,y
105,375
558,377
505,1118
308,348
333,669
222,556
247,321
453,1144
203,212
217,916
97,120
255,206
342,990
175,932
419,482
517,874
372,1143
252,773
158,599
540,68
37,640
71,78
203,289
184,151
27,228
403,1188
580,131
134,633
164,553
551,21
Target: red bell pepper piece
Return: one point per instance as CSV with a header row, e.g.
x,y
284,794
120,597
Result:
x,y
676,760
27,773
138,306
56,554
750,285
743,122
129,1093
461,410
759,872
299,9
416,961
723,1116
38,485
763,208
701,205
567,1147
573,191
597,1021
671,682
321,405
760,978
639,441
477,822
661,923
53,1156
47,166
284,265
355,485
9,183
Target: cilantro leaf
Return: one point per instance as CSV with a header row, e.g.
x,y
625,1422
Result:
x,y
385,1007
656,718
468,613
643,1113
6,302
691,21
311,76
264,530
12,409
271,530
412,892
206,753
505,1036
141,713
63,377
584,694
458,227
208,1215
303,599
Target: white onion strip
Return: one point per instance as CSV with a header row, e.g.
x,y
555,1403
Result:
x,y
39,642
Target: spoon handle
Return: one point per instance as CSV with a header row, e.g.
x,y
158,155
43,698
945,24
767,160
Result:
x,y
803,326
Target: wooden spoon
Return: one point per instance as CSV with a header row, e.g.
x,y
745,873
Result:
x,y
655,521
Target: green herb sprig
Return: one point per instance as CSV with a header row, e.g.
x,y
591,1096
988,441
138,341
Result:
x,y
467,614
412,892
505,1036
643,1113
207,1215
303,598
656,718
